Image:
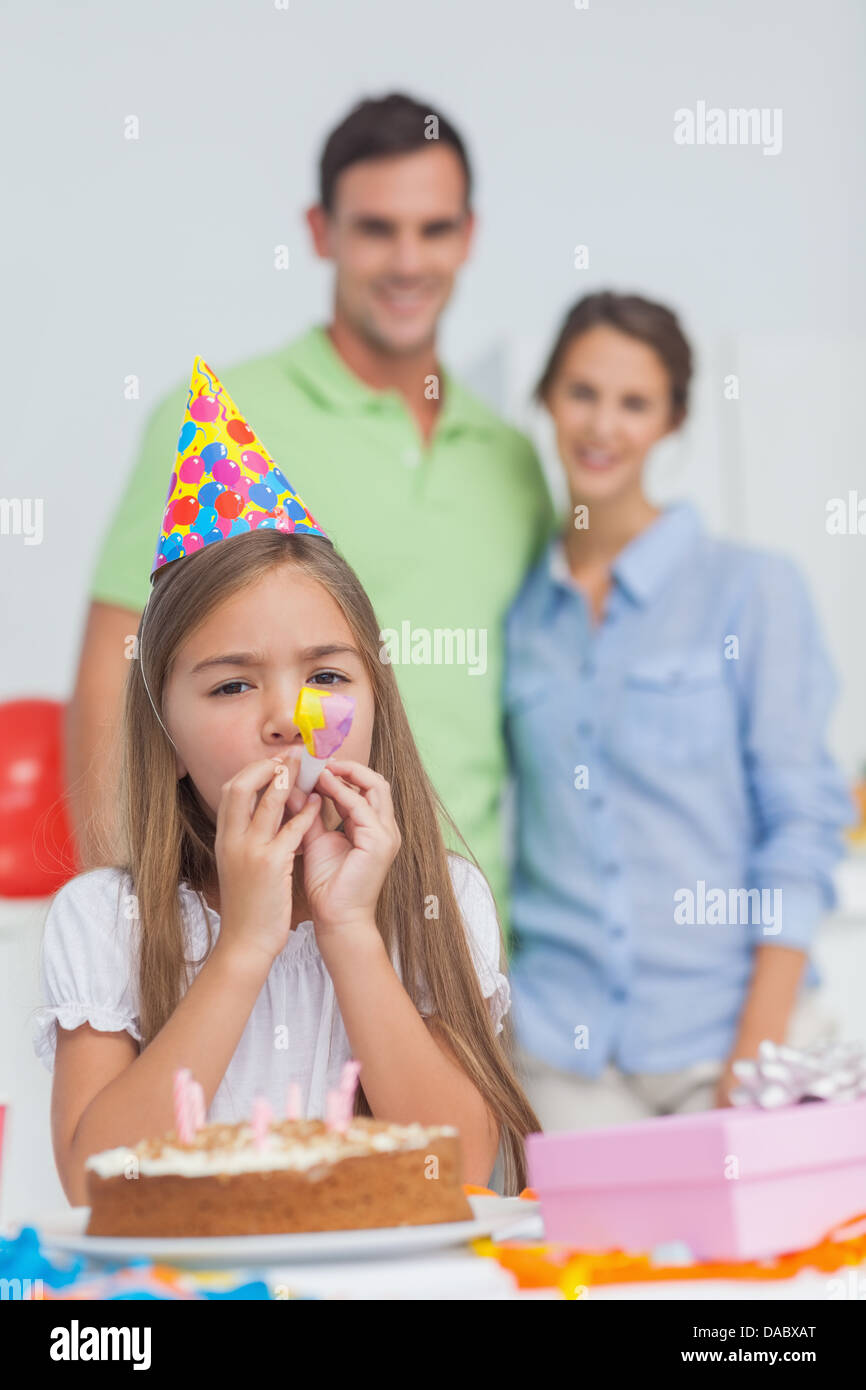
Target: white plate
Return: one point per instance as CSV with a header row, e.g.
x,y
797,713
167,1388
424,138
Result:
x,y
493,1215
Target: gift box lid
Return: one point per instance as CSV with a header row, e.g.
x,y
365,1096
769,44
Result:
x,y
700,1147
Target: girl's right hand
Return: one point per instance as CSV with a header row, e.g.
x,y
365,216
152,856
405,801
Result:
x,y
255,857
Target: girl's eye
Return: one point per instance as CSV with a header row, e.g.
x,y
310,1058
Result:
x,y
320,676
223,688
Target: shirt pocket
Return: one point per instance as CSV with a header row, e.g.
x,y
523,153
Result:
x,y
675,708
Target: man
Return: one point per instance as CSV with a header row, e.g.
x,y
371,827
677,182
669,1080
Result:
x,y
439,506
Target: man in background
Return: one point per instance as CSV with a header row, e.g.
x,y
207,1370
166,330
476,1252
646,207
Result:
x,y
438,505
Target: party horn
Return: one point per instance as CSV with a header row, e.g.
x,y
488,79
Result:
x,y
324,718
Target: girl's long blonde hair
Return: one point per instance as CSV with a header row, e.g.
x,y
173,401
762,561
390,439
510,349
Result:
x,y
165,836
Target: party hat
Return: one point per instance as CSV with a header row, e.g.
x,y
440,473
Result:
x,y
225,482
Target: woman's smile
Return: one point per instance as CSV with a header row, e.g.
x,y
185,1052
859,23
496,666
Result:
x,y
598,459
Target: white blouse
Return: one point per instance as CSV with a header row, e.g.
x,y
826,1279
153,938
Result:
x,y
295,1031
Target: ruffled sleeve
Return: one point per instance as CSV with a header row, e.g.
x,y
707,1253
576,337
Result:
x,y
86,968
483,937
483,934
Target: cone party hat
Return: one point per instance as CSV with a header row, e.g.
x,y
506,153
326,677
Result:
x,y
225,482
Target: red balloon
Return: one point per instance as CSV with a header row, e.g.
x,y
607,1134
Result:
x,y
229,504
185,511
37,846
240,432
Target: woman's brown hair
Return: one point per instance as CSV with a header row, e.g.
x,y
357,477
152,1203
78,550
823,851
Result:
x,y
166,837
640,318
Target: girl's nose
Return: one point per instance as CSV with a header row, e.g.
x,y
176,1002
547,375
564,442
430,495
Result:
x,y
280,729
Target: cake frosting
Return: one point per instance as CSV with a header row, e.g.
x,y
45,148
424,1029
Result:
x,y
289,1145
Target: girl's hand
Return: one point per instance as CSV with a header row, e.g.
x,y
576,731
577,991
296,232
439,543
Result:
x,y
255,856
344,869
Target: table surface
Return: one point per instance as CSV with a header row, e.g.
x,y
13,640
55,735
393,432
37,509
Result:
x,y
458,1273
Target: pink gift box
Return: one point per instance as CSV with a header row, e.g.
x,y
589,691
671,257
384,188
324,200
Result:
x,y
735,1184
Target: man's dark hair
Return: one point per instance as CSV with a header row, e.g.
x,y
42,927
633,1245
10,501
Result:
x,y
381,126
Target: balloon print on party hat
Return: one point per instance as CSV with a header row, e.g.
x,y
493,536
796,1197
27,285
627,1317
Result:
x,y
225,482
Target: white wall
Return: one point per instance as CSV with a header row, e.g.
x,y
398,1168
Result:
x,y
131,256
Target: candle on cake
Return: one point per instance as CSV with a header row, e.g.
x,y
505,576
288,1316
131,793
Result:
x,y
184,1105
339,1102
262,1114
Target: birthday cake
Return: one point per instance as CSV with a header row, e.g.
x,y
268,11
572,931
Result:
x,y
300,1175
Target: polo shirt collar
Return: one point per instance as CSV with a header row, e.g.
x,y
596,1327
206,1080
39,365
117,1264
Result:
x,y
314,357
643,565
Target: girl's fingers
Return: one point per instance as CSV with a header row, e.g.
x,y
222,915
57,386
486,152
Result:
x,y
317,828
376,788
268,815
347,799
295,829
359,772
358,811
238,796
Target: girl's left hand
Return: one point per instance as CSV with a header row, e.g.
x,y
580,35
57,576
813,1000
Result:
x,y
344,869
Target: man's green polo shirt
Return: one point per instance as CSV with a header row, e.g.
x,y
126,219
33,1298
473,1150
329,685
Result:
x,y
440,534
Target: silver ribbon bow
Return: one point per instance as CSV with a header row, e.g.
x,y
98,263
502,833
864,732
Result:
x,y
784,1075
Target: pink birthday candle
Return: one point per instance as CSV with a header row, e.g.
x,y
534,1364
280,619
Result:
x,y
335,1110
198,1106
340,1101
293,1101
349,1081
261,1119
183,1113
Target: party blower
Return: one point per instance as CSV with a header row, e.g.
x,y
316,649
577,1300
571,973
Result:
x,y
324,718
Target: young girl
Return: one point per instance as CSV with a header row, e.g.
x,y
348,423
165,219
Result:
x,y
253,935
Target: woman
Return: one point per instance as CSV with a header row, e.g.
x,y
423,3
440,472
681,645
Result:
x,y
677,814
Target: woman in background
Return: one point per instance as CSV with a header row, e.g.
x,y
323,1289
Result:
x,y
677,815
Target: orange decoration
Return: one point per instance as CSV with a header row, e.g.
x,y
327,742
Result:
x,y
573,1270
471,1190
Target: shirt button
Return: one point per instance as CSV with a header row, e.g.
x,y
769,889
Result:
x,y
584,728
610,869
617,930
618,994
589,668
596,802
411,457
